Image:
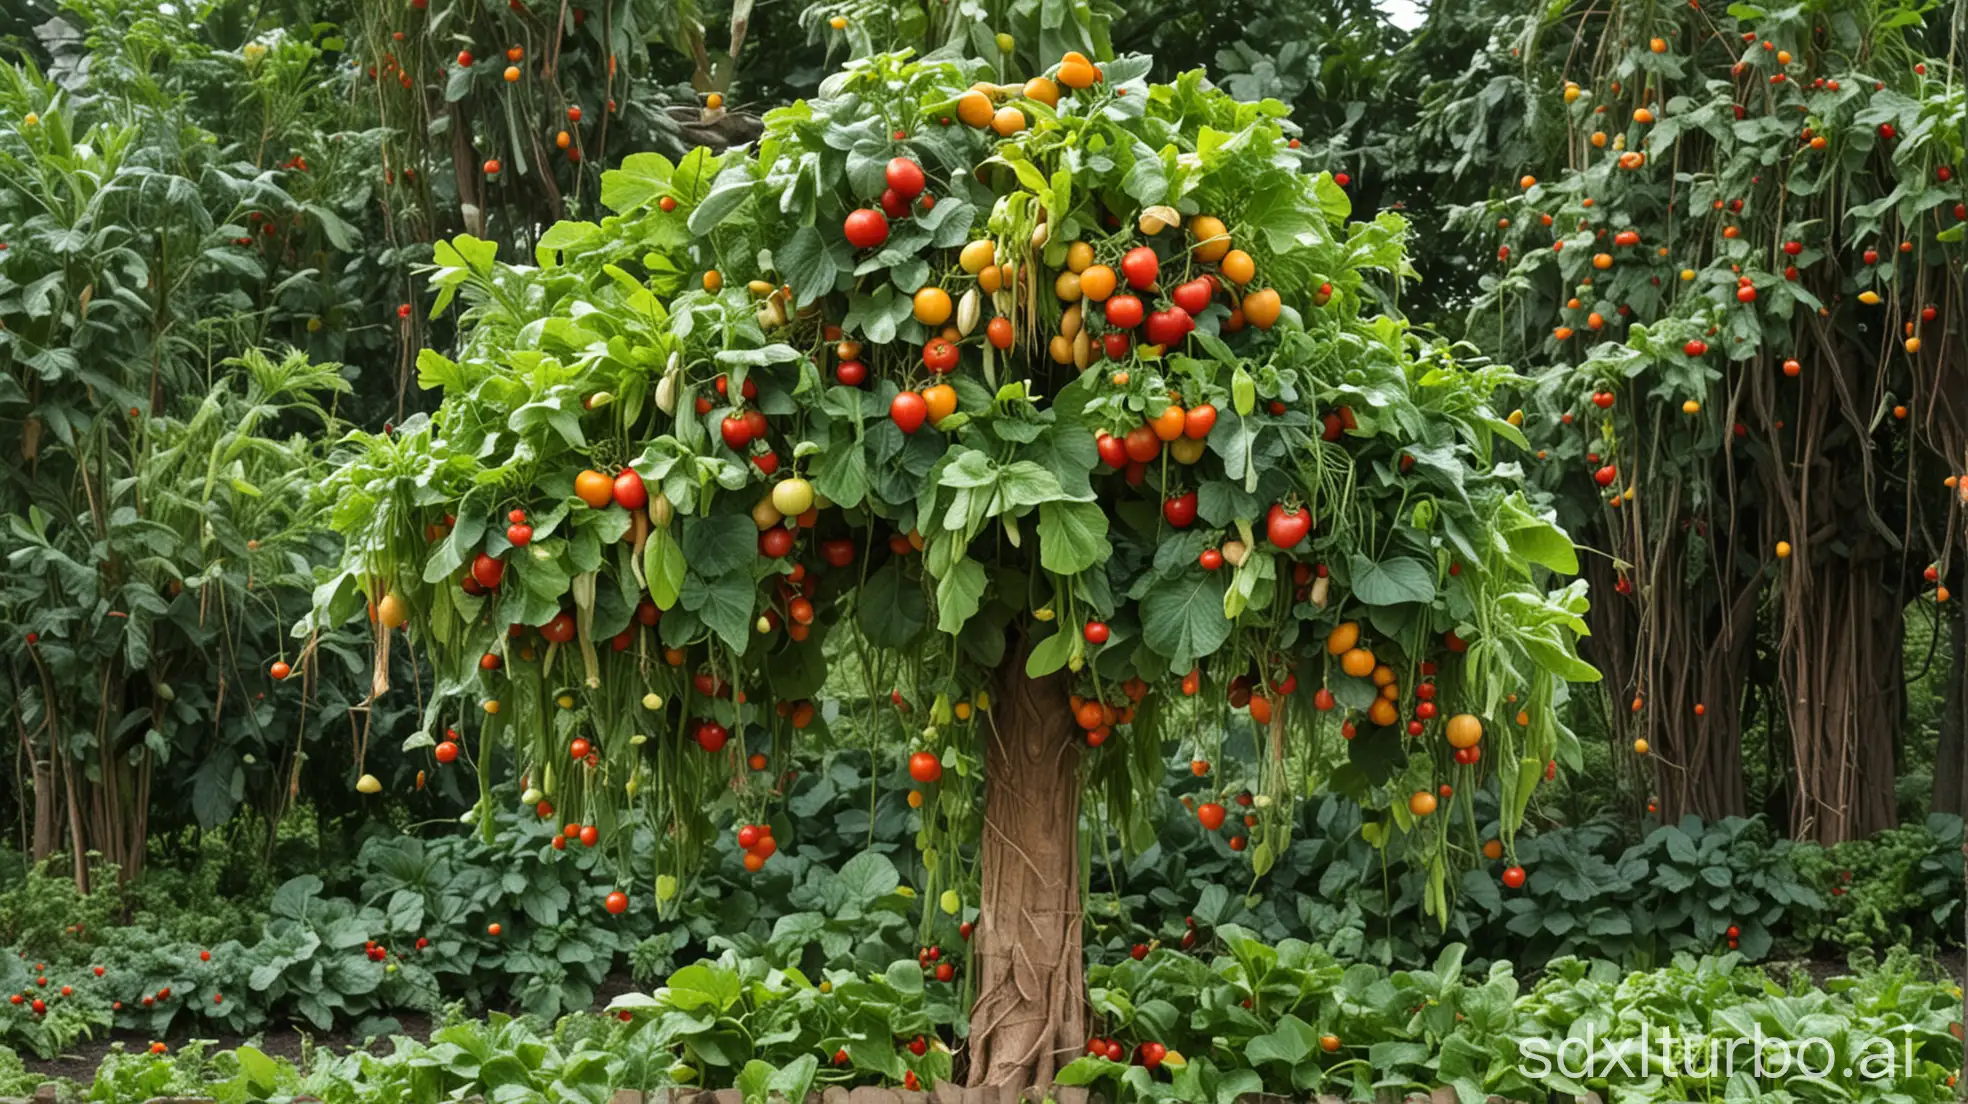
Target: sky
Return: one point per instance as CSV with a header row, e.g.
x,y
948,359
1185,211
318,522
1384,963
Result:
x,y
1405,14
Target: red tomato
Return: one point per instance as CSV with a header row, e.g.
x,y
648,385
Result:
x,y
1141,267
851,372
939,356
1287,527
630,494
1113,453
1180,510
905,177
1198,421
908,410
925,767
486,571
1192,296
558,630
1166,327
1124,312
866,228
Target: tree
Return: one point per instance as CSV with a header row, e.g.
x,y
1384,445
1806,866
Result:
x,y
1741,282
154,537
1048,415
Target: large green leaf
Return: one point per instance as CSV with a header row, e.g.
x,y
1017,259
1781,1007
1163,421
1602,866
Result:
x,y
1182,618
1392,581
1072,536
719,543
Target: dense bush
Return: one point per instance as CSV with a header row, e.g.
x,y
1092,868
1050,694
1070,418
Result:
x,y
839,899
1248,1018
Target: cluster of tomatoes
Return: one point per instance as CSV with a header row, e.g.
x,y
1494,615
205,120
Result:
x,y
1148,1055
1212,816
1098,718
1183,431
587,834
757,843
933,963
1104,308
34,1002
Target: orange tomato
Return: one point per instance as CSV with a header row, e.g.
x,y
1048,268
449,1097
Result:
x,y
594,488
974,108
1097,283
941,401
1261,308
932,306
1463,731
1357,662
1212,238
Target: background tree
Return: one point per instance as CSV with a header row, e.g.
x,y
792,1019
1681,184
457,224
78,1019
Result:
x,y
1743,274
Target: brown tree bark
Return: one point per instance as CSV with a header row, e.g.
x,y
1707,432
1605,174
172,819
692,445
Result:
x,y
1682,639
1030,1014
1841,667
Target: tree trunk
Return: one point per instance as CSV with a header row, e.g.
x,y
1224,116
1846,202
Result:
x,y
1841,665
1682,639
47,810
1030,1015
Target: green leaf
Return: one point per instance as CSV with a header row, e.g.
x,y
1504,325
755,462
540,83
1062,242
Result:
x,y
261,1070
1291,1042
725,604
1182,618
866,878
1049,655
1537,540
958,594
662,564
1072,536
892,609
808,265
1391,582
732,189
719,543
